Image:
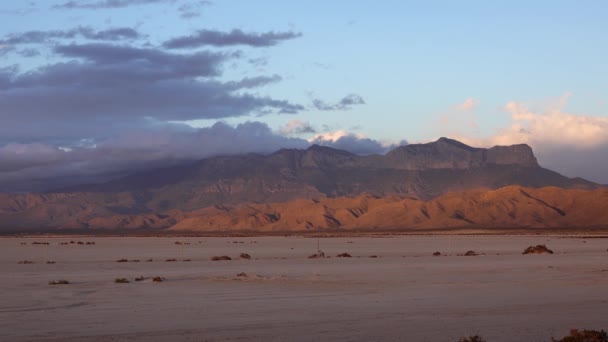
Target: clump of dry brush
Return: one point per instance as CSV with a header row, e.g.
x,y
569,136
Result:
x,y
221,258
538,249
584,336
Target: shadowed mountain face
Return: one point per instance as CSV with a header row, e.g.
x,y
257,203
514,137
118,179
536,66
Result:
x,y
159,198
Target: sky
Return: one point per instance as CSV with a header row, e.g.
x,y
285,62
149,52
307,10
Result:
x,y
96,89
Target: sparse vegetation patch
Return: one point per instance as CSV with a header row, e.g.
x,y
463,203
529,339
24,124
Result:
x,y
474,338
584,336
344,255
245,256
538,249
121,281
221,258
59,282
317,255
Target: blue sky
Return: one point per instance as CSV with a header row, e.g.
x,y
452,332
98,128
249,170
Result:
x,y
413,63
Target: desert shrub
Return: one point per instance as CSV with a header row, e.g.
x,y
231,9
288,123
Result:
x,y
474,338
80,243
245,256
90,242
436,254
50,262
538,249
221,258
170,260
121,281
150,260
373,256
122,260
315,256
25,262
40,243
59,282
158,279
242,274
140,278
344,255
470,253
584,336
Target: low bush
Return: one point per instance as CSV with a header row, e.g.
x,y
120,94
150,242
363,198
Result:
x,y
59,282
344,255
474,338
538,249
245,256
584,336
121,281
221,258
315,256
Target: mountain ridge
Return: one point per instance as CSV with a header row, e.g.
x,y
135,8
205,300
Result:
x,y
154,198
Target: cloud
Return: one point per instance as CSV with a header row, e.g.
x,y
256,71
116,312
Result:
x,y
468,105
234,37
5,49
38,166
38,37
192,9
29,52
108,88
345,104
297,127
573,144
105,4
352,142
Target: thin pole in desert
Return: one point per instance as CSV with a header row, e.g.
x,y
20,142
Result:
x,y
318,244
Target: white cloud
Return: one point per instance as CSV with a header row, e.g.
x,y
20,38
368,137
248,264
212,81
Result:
x,y
566,142
468,105
296,127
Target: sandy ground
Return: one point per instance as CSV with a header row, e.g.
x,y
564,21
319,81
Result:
x,y
403,295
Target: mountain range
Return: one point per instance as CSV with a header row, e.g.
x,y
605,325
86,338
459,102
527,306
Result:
x,y
325,188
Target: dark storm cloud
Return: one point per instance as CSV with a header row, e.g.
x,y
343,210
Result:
x,y
132,151
38,166
103,4
107,87
38,37
234,37
345,104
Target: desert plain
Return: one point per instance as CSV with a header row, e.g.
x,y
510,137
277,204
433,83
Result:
x,y
402,293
